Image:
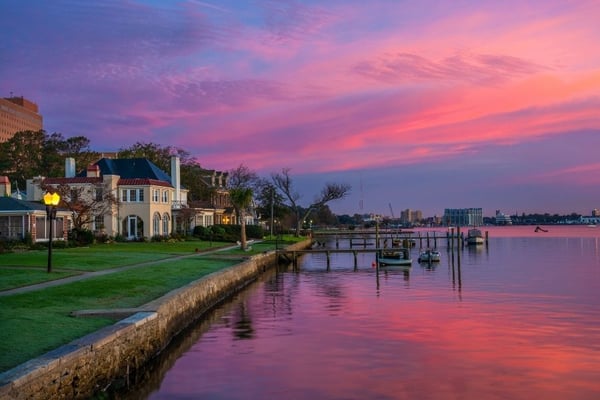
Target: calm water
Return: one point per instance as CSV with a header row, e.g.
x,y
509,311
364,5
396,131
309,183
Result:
x,y
519,319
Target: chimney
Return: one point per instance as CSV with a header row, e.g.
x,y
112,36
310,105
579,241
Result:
x,y
93,171
69,167
175,179
4,186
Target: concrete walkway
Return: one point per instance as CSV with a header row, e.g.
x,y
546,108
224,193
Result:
x,y
93,274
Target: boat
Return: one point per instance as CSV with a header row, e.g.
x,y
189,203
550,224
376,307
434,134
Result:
x,y
474,237
429,255
395,256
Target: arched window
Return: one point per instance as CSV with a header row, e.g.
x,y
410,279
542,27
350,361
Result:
x,y
166,224
156,224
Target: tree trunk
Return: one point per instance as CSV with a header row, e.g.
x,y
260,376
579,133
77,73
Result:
x,y
243,240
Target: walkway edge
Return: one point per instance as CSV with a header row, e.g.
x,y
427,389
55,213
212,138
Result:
x,y
83,367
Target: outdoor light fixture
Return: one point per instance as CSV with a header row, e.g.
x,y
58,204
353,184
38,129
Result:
x,y
51,200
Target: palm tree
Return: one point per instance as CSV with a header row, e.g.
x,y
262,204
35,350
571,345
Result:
x,y
241,199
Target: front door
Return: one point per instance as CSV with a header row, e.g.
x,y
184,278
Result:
x,y
131,227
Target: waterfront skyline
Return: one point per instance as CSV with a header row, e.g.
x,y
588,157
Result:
x,y
422,105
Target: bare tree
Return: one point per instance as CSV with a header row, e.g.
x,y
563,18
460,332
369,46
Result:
x,y
331,191
85,202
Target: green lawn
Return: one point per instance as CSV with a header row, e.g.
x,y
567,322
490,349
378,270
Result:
x,y
35,322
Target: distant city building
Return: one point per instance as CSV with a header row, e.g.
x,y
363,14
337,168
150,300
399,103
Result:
x,y
595,212
18,114
502,219
409,216
593,220
463,216
405,216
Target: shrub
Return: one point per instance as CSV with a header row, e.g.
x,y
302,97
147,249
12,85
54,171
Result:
x,y
255,231
227,233
81,237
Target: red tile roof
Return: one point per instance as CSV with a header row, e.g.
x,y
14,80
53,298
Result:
x,y
143,182
65,181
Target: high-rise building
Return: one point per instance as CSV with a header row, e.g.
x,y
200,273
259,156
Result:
x,y
463,216
18,114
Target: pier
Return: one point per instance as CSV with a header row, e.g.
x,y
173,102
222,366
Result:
x,y
296,253
363,238
374,241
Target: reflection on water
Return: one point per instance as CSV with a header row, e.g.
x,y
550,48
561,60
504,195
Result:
x,y
516,320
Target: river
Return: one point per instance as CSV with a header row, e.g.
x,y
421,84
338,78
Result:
x,y
516,319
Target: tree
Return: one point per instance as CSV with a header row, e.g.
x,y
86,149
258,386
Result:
x,y
28,154
331,191
241,182
85,202
269,202
21,156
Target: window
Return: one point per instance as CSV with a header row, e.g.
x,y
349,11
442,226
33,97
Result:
x,y
166,220
156,224
98,222
165,196
132,195
155,195
99,194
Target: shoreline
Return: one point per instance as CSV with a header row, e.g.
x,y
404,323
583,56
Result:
x,y
82,367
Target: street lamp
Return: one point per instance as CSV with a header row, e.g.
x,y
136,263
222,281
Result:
x,y
51,200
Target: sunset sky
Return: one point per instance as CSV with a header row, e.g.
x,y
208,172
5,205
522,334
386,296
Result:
x,y
419,104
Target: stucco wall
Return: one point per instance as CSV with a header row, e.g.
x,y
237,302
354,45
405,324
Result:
x,y
85,366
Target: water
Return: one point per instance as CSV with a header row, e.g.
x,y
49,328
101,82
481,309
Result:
x,y
519,319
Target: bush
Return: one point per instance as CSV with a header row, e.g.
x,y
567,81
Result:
x,y
255,232
227,233
81,237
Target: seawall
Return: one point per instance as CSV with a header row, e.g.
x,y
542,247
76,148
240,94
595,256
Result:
x,y
85,366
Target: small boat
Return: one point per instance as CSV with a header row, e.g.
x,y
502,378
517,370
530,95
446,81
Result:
x,y
429,255
395,256
474,237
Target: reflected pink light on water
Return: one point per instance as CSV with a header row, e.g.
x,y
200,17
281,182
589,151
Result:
x,y
518,325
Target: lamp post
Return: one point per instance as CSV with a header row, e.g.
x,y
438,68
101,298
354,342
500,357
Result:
x,y
51,200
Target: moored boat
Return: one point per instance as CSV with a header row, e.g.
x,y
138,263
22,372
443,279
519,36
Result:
x,y
395,256
429,255
475,237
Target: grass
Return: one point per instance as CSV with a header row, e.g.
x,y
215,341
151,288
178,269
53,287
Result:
x,y
33,323
16,277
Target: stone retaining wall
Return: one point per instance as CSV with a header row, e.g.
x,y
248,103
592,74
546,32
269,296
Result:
x,y
87,365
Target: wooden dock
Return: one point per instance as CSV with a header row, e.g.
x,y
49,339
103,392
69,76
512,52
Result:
x,y
328,252
364,238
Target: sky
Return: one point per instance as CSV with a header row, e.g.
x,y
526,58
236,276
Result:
x,y
420,105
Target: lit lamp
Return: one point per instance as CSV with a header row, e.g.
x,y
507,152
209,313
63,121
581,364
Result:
x,y
51,200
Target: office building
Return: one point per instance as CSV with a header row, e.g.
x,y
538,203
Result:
x,y
18,114
463,216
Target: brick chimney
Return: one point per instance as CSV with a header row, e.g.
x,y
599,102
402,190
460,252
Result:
x,y
5,186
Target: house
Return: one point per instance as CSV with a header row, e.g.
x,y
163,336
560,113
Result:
x,y
20,218
128,197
